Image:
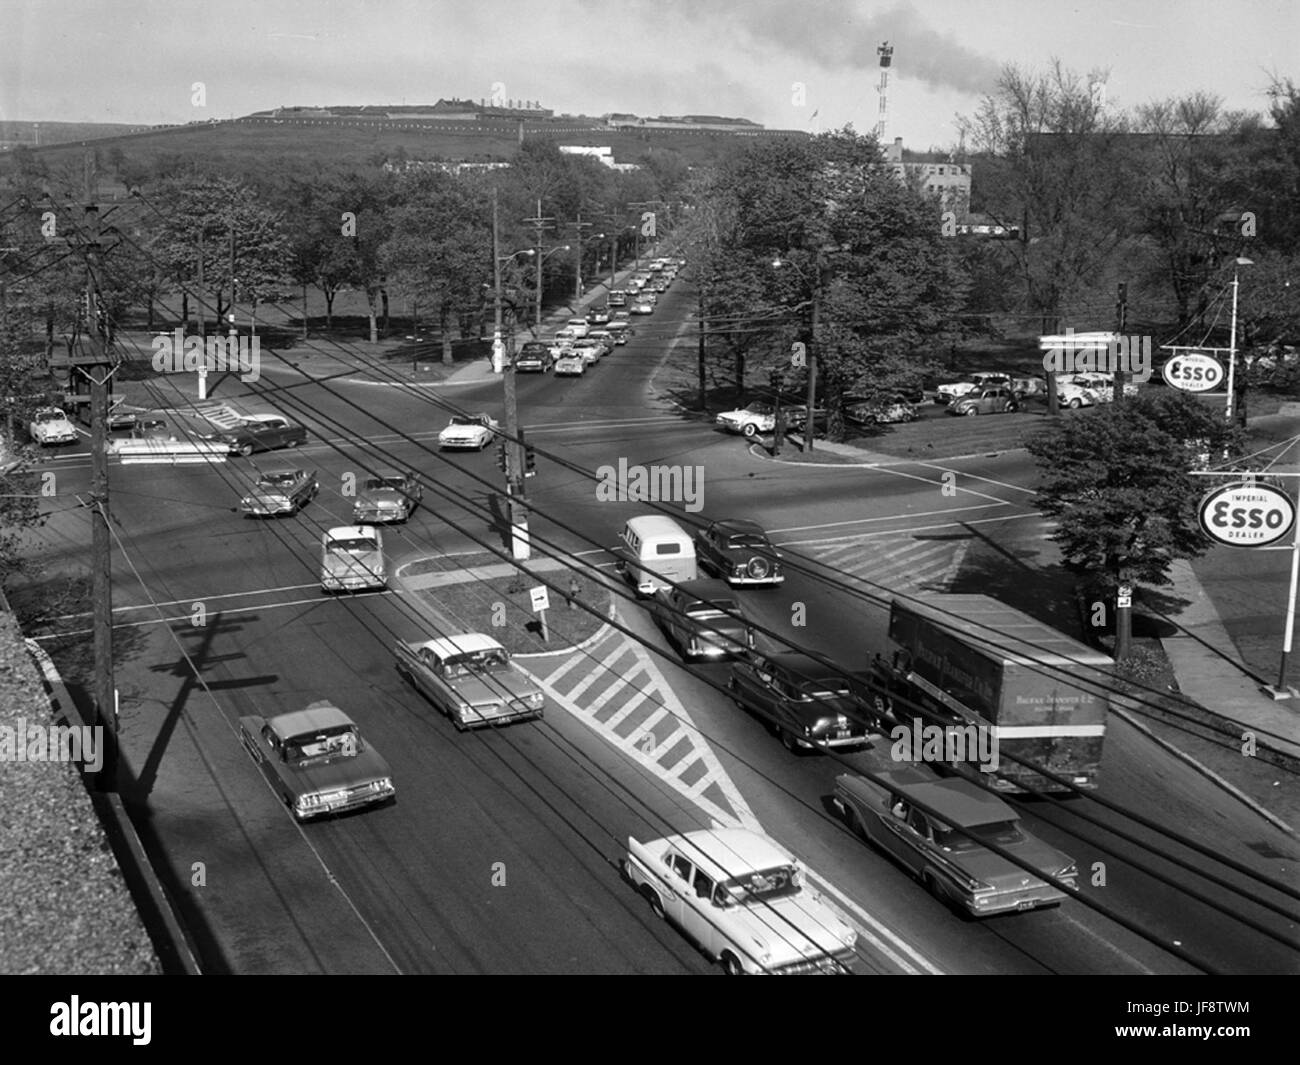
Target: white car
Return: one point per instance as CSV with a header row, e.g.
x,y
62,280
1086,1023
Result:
x,y
51,426
473,431
352,559
743,898
590,350
1103,385
570,364
758,417
579,326
984,379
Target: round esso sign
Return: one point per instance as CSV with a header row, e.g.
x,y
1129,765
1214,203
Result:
x,y
1247,515
1193,372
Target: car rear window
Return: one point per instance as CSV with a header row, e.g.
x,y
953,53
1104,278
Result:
x,y
668,547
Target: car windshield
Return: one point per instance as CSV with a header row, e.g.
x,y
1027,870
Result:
x,y
715,609
492,661
278,480
758,887
326,743
359,545
759,408
1001,833
458,420
50,416
747,540
374,484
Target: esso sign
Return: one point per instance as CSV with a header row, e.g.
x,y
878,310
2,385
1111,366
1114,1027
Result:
x,y
1247,515
1193,372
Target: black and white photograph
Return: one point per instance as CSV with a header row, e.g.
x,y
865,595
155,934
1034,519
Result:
x,y
572,488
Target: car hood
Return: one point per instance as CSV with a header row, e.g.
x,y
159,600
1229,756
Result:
x,y
376,496
719,628
343,771
349,565
456,431
796,928
478,690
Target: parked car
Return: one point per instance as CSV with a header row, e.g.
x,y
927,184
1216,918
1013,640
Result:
x,y
739,551
810,705
471,679
261,432
880,412
597,316
758,417
1102,385
986,401
570,364
352,559
1076,392
316,760
947,393
956,868
702,619
744,899
578,326
280,492
473,431
50,426
389,497
533,357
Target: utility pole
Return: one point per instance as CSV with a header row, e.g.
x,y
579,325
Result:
x,y
519,546
810,427
540,225
1121,321
579,225
98,371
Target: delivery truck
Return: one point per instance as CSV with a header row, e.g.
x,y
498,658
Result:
x,y
972,660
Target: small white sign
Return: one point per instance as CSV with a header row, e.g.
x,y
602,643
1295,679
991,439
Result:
x,y
541,599
1123,601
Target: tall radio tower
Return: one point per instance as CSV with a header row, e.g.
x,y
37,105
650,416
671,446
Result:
x,y
886,54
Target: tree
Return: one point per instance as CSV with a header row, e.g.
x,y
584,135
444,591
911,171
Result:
x,y
1052,163
439,248
1116,479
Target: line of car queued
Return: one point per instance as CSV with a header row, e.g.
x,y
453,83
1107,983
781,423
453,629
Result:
x,y
739,895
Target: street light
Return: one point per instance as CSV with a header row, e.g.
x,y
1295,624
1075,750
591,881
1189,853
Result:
x,y
1232,343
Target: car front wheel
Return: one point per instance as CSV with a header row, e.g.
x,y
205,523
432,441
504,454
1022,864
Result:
x,y
731,964
970,412
246,450
750,429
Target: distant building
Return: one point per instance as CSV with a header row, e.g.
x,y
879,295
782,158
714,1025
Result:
x,y
934,174
603,155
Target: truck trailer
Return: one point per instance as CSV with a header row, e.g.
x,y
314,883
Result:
x,y
971,660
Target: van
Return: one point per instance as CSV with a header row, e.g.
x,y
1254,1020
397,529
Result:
x,y
653,549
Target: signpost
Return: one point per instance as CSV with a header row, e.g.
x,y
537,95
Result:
x,y
541,600
1248,513
1193,371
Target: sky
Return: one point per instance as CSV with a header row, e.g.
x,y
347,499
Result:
x,y
793,64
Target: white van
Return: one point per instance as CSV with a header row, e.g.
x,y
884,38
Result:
x,y
352,559
653,547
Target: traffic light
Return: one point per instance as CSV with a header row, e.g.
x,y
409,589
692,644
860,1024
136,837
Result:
x,y
501,457
530,461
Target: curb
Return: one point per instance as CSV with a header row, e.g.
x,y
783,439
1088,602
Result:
x,y
1208,773
158,914
590,641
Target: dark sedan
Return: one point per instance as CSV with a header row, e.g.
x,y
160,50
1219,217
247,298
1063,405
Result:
x,y
703,619
808,704
261,433
739,551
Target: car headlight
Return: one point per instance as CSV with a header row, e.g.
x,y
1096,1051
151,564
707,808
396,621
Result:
x,y
1069,873
464,708
849,937
306,802
535,699
382,784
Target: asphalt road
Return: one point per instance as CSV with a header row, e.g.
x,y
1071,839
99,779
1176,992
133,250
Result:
x,y
499,853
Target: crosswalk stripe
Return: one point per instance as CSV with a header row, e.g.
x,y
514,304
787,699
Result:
x,y
622,713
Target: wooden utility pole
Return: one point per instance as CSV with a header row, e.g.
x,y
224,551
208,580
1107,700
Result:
x,y
98,370
1121,322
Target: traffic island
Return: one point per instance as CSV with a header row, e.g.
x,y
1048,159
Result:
x,y
482,594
